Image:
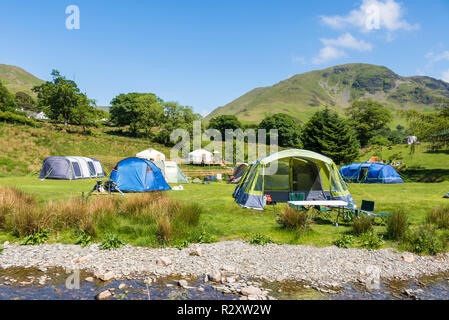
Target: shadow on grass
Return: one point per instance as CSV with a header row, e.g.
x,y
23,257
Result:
x,y
425,175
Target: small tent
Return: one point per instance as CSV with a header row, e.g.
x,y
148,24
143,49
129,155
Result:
x,y
151,154
138,175
200,156
446,196
238,173
370,173
173,173
300,173
71,168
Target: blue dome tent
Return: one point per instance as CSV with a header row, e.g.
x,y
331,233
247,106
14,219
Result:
x,y
138,175
370,173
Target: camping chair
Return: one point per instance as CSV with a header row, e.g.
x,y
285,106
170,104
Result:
x,y
297,196
368,209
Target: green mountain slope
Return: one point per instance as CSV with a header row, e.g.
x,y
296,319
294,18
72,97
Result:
x,y
337,87
16,79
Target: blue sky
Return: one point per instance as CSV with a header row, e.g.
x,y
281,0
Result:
x,y
207,53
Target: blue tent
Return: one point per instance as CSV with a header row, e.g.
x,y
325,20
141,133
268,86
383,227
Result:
x,y
370,173
138,175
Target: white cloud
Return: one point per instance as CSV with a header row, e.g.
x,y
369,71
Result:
x,y
328,53
300,60
438,57
373,15
446,76
347,41
333,48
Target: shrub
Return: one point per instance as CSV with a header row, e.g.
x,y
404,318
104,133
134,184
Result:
x,y
259,239
371,240
362,224
84,239
11,117
36,238
439,216
111,242
424,241
294,219
345,241
397,225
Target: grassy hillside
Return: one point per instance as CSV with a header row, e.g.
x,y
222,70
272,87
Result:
x,y
337,87
23,148
16,79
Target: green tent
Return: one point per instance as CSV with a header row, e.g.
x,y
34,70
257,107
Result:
x,y
171,171
300,174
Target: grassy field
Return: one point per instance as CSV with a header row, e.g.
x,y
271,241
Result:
x,y
224,219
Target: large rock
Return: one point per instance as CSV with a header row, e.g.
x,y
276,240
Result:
x,y
104,295
214,276
163,261
408,257
106,276
83,259
251,291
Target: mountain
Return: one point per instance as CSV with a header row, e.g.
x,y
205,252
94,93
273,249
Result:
x,y
337,87
16,79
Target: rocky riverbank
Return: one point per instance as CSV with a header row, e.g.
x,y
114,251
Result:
x,y
225,262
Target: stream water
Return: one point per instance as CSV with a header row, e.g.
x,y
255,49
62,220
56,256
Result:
x,y
23,284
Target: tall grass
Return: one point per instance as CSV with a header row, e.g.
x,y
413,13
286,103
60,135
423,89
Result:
x,y
397,225
22,215
299,220
439,216
361,225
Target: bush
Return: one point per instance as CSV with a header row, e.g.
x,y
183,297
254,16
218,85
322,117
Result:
x,y
379,141
361,225
371,240
111,242
84,239
11,117
260,240
439,216
36,238
424,241
397,225
294,219
345,241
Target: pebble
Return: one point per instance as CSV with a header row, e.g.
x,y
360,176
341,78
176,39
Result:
x,y
231,259
104,295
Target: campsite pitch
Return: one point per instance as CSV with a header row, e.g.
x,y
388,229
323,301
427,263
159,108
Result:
x,y
223,219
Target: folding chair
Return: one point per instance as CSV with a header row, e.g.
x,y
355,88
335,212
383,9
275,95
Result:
x,y
297,196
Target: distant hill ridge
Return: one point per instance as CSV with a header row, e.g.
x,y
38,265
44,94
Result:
x,y
16,79
337,87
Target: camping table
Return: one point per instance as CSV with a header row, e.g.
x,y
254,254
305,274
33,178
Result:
x,y
339,204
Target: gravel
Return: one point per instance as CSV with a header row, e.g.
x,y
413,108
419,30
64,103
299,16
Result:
x,y
330,266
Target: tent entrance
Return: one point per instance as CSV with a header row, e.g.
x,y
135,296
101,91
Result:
x,y
294,175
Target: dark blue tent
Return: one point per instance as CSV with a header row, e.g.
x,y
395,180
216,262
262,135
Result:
x,y
370,173
138,175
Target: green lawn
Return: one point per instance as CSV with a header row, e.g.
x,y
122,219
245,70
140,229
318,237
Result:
x,y
224,219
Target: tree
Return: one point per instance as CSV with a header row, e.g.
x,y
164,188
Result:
x,y
175,117
62,100
6,100
367,117
330,135
138,110
289,130
223,122
25,101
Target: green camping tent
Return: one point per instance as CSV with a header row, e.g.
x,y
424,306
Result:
x,y
300,174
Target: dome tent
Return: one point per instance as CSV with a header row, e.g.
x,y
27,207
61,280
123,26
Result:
x,y
151,154
238,173
370,173
138,175
173,173
304,172
71,168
